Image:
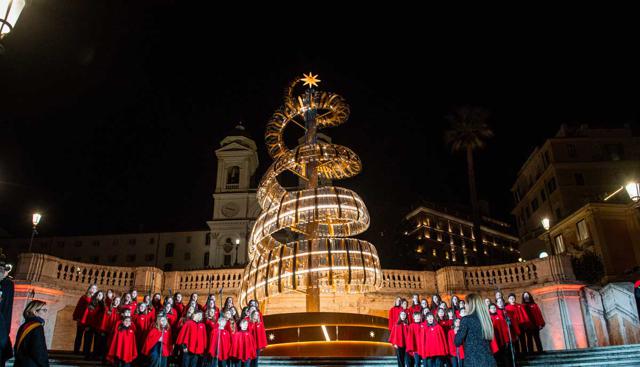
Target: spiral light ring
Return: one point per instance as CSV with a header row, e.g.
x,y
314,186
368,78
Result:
x,y
324,216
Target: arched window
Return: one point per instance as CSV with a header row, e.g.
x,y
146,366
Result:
x,y
168,252
233,175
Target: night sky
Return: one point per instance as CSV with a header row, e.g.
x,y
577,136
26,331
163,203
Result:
x,y
111,111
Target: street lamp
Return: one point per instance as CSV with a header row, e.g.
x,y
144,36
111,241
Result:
x,y
633,189
237,246
546,224
9,12
35,219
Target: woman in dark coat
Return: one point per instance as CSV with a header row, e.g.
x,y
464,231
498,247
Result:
x,y
476,333
31,347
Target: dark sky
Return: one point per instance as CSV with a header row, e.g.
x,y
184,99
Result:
x,y
111,111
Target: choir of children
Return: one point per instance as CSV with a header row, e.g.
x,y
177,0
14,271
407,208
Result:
x,y
127,333
427,340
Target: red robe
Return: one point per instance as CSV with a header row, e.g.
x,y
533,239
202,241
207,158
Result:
x,y
123,346
209,324
179,307
399,335
517,316
452,346
500,329
143,323
435,341
414,339
94,316
172,319
80,312
243,347
153,337
535,316
225,344
413,309
259,335
394,314
109,318
194,336
446,325
130,306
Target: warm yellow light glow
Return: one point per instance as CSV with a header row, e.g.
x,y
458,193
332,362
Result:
x,y
546,224
542,255
633,189
310,80
272,337
9,13
326,334
614,193
372,334
323,218
35,219
237,241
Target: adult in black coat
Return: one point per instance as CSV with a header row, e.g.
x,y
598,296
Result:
x,y
31,346
6,310
475,333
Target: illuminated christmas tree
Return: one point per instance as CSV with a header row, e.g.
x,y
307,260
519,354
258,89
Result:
x,y
322,257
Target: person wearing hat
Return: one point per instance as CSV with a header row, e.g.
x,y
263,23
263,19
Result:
x,y
6,308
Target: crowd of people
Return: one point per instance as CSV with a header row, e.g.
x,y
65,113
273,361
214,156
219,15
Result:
x,y
124,330
478,332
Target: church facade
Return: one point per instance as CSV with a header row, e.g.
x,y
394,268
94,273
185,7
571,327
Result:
x,y
221,245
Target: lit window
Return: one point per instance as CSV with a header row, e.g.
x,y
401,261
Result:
x,y
583,231
559,242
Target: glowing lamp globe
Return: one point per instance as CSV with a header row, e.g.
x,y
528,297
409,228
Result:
x,y
543,254
546,224
633,189
9,12
36,219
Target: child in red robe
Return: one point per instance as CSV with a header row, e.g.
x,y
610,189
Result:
x,y
398,339
95,311
134,299
193,340
415,305
143,322
243,345
259,334
443,321
516,312
435,342
501,335
178,305
127,303
456,354
413,343
536,323
219,348
210,320
80,316
158,343
123,349
172,317
394,312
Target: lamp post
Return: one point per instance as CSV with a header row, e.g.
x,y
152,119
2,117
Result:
x,y
9,13
633,189
546,224
237,247
35,219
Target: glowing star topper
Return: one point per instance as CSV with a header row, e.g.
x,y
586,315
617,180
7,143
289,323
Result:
x,y
310,80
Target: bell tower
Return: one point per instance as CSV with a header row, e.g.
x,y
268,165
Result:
x,y
234,200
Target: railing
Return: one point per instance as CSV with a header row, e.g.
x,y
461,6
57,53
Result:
x,y
73,275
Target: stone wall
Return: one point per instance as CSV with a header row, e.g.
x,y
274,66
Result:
x,y
565,303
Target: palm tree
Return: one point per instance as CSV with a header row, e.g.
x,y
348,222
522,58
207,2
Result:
x,y
468,132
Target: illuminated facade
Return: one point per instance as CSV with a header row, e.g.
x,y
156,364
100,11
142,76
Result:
x,y
437,236
577,166
321,218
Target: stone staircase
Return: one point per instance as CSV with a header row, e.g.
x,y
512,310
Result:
x,y
620,356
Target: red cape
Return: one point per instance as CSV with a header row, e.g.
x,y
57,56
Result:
x,y
414,339
143,323
80,312
130,306
446,325
399,335
225,344
94,316
512,312
179,307
535,315
413,309
435,342
243,347
152,339
394,314
194,336
123,346
172,319
451,336
260,335
500,329
109,319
